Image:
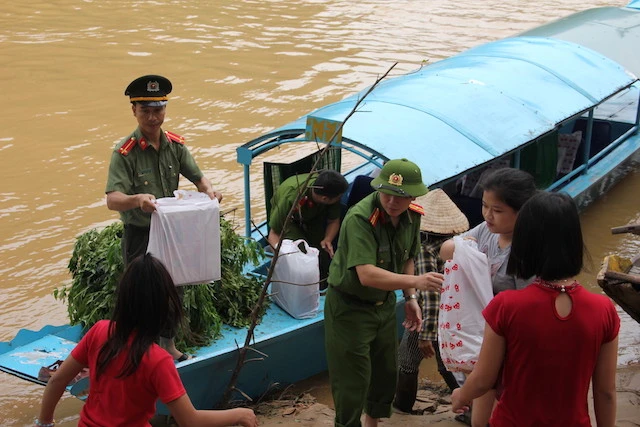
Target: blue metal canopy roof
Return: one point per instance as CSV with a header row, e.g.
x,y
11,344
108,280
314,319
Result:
x,y
469,109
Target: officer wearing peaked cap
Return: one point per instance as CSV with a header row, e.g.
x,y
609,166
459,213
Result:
x,y
150,90
378,240
147,165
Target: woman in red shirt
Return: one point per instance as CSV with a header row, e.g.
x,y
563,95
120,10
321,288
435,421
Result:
x,y
128,370
552,338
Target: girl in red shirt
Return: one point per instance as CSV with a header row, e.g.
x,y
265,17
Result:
x,y
551,339
128,370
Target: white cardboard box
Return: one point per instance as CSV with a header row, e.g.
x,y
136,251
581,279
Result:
x,y
185,236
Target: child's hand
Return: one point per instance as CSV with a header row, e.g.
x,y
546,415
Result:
x,y
457,405
246,417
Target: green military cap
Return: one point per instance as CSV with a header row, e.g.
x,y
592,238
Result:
x,y
151,90
400,178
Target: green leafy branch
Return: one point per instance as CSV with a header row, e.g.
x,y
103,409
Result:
x,y
96,265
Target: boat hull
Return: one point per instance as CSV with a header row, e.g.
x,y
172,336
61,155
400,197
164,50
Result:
x,y
619,288
601,177
293,350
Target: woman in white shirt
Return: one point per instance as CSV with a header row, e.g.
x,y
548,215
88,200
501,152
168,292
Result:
x,y
505,190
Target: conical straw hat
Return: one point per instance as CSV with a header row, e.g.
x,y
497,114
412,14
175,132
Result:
x,y
441,215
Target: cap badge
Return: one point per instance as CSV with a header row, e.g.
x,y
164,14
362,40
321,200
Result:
x,y
395,179
153,86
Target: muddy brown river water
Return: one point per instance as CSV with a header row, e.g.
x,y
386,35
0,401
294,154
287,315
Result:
x,y
239,68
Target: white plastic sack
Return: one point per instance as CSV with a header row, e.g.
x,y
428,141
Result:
x,y
185,236
295,266
466,291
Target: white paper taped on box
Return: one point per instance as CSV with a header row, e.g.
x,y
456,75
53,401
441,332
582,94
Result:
x,y
185,237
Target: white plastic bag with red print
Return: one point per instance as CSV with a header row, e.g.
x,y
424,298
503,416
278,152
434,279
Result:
x,y
466,291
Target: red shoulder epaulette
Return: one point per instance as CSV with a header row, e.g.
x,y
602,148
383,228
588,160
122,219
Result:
x,y
416,208
373,219
174,137
127,146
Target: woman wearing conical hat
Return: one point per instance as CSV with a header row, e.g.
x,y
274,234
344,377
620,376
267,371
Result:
x,y
441,221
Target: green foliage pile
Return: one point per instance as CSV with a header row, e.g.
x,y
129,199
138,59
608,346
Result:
x,y
238,294
96,266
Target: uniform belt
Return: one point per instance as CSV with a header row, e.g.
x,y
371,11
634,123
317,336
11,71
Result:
x,y
356,299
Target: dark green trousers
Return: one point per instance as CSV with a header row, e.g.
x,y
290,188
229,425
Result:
x,y
361,346
134,242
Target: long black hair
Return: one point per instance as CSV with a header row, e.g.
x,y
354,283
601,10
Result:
x,y
547,238
146,304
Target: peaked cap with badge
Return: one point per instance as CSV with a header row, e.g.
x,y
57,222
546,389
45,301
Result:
x,y
150,90
400,177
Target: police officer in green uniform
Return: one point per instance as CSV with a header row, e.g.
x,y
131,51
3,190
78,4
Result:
x,y
147,165
378,241
316,217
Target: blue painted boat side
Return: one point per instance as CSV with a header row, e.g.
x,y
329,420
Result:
x,y
25,336
291,355
600,177
30,350
294,349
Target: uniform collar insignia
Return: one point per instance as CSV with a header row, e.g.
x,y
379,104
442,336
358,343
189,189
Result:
x,y
174,137
378,215
384,218
373,219
416,208
127,146
306,201
143,143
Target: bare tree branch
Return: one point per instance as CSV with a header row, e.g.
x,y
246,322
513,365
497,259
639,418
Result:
x,y
242,351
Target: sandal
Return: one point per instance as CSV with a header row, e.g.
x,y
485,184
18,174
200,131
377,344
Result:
x,y
464,418
184,357
46,372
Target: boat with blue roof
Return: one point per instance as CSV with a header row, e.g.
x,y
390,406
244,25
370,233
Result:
x,y
561,101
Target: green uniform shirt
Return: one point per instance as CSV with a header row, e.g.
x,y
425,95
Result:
x,y
368,237
309,219
140,170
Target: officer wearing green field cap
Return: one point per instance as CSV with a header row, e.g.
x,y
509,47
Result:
x,y
316,217
147,165
378,240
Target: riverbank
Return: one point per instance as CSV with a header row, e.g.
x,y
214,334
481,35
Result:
x,y
433,407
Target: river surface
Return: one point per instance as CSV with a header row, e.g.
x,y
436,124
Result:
x,y
239,68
